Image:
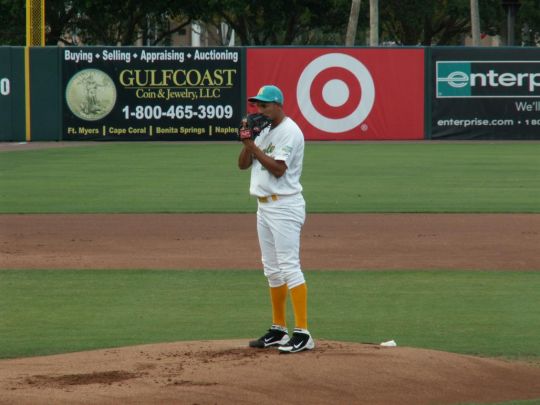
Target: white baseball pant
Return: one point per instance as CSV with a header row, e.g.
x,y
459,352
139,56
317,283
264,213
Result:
x,y
279,224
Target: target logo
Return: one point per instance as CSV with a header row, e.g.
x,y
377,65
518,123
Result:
x,y
335,92
345,93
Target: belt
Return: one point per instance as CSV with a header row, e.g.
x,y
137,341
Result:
x,y
272,197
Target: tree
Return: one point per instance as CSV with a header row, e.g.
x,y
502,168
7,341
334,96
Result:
x,y
373,22
353,23
528,22
105,22
475,23
438,22
280,22
60,19
12,22
260,22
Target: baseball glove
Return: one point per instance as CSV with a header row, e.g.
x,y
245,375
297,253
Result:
x,y
252,125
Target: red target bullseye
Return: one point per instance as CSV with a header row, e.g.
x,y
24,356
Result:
x,y
327,83
335,85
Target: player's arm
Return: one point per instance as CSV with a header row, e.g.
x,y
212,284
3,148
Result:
x,y
276,167
245,160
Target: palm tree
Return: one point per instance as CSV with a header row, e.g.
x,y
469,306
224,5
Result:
x,y
373,22
475,23
353,23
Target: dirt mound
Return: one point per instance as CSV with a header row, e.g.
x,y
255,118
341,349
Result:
x,y
225,372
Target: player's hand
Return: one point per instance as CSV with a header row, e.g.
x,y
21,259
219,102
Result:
x,y
252,125
245,133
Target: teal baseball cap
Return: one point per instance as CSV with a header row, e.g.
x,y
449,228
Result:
x,y
268,94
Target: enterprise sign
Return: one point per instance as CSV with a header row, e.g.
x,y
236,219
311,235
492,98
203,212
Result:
x,y
487,79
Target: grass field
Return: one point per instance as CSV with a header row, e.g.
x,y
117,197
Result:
x,y
380,177
490,314
481,313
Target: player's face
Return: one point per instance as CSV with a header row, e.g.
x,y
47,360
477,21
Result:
x,y
271,110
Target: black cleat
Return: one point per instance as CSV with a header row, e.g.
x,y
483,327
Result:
x,y
301,340
276,336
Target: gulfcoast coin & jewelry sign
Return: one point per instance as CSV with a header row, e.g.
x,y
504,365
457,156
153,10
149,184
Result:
x,y
163,94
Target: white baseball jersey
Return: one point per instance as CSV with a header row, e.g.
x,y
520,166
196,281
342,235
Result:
x,y
284,142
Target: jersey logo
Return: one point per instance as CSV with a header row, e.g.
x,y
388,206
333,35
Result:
x,y
269,149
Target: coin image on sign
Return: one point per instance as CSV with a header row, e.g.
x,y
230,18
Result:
x,y
91,94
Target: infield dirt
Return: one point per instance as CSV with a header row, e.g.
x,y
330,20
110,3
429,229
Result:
x,y
225,372
229,241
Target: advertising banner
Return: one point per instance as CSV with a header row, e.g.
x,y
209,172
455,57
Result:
x,y
485,93
5,94
345,93
151,93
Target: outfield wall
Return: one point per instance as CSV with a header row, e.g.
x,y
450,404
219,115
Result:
x,y
334,93
12,98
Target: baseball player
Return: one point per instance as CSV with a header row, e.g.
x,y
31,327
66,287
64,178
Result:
x,y
276,158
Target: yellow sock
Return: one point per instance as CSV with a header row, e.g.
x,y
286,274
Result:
x,y
299,301
279,299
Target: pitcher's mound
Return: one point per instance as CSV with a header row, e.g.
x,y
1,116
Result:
x,y
228,372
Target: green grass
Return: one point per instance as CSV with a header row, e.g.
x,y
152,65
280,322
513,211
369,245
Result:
x,y
472,312
359,177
